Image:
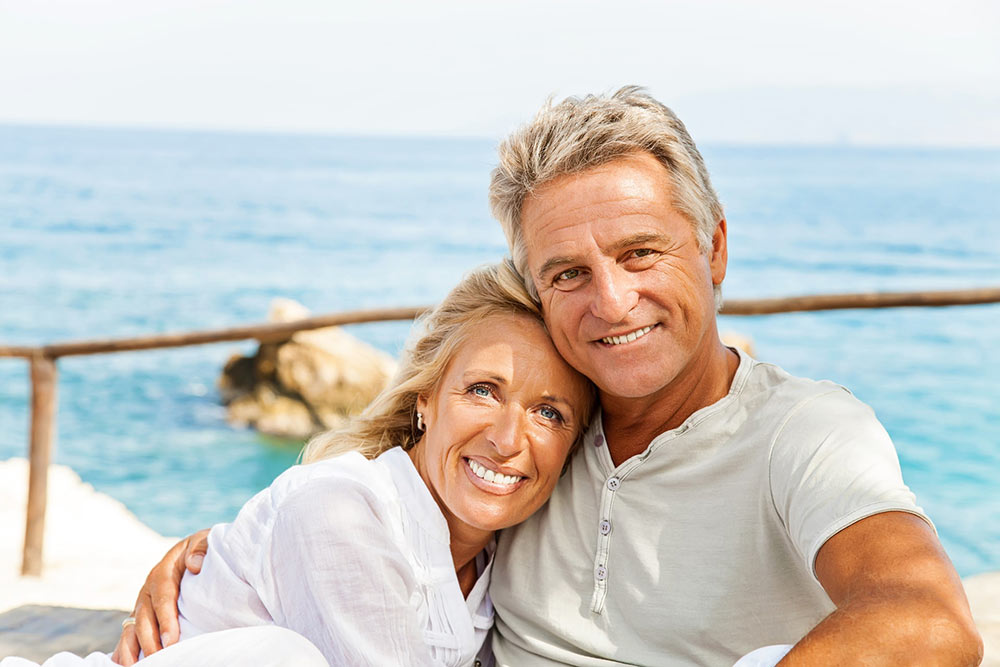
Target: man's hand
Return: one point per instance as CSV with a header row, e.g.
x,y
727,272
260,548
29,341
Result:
x,y
899,600
155,611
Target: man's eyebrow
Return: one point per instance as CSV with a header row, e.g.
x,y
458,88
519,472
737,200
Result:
x,y
617,246
637,239
553,263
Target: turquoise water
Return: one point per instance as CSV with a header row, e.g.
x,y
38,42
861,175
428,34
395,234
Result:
x,y
116,233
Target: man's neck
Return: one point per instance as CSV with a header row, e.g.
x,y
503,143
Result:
x,y
630,424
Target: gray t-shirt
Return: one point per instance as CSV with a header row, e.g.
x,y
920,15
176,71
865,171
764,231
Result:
x,y
701,548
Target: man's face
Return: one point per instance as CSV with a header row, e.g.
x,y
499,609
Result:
x,y
626,292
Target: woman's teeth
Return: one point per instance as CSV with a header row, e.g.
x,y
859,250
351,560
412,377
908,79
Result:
x,y
627,338
490,476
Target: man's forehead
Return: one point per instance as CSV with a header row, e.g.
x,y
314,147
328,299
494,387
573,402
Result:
x,y
624,198
630,184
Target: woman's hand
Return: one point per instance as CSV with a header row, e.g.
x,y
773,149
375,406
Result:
x,y
156,625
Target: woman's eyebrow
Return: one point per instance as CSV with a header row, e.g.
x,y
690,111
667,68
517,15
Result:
x,y
476,373
552,398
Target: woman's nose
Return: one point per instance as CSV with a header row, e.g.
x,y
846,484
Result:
x,y
506,433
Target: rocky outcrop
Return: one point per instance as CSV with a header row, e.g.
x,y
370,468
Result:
x,y
743,342
311,383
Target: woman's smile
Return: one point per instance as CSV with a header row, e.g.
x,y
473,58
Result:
x,y
489,479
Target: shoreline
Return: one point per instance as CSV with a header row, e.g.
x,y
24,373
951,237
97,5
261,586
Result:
x,y
97,553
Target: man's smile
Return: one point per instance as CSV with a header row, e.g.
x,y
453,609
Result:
x,y
628,337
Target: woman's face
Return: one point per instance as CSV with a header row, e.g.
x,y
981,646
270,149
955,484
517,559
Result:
x,y
500,424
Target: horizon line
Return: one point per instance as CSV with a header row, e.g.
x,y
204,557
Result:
x,y
459,135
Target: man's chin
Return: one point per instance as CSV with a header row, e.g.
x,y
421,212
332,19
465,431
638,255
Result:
x,y
622,386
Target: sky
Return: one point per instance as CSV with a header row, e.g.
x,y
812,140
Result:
x,y
870,72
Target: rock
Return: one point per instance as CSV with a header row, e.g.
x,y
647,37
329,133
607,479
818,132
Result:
x,y
238,378
737,340
313,382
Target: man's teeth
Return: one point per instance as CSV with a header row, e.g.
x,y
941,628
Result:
x,y
490,476
627,338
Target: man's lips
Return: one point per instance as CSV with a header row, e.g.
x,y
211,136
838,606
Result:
x,y
626,337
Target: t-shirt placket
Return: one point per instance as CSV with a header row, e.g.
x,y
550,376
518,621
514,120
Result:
x,y
605,529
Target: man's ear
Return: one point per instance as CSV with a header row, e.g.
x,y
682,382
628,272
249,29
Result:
x,y
720,253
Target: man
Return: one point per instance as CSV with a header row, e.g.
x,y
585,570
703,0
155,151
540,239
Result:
x,y
718,504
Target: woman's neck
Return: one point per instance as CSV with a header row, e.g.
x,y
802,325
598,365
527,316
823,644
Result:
x,y
466,540
467,543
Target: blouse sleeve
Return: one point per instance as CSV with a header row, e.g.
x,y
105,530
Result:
x,y
338,577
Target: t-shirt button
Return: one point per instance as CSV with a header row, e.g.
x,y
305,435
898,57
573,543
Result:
x,y
605,527
599,440
601,573
614,483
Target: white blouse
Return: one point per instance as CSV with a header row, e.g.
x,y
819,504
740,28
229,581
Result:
x,y
352,554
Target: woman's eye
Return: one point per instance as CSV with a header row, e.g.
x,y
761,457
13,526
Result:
x,y
550,413
481,390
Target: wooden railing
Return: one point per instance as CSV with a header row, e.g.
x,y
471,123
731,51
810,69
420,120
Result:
x,y
45,379
45,375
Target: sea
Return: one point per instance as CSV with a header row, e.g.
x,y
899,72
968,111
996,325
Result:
x,y
123,232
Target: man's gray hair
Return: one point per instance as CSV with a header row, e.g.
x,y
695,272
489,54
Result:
x,y
579,133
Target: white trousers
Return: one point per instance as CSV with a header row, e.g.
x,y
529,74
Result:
x,y
271,646
762,657
263,645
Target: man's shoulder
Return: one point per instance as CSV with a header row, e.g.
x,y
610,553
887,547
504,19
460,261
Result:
x,y
800,415
777,402
769,386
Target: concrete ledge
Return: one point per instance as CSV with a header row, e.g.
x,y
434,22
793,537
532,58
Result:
x,y
37,632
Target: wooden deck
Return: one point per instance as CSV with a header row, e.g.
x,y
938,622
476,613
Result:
x,y
38,632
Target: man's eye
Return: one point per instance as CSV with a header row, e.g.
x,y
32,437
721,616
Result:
x,y
550,413
568,274
642,252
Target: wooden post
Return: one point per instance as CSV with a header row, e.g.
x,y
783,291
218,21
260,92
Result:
x,y
44,385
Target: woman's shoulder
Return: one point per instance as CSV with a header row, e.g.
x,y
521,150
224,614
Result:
x,y
340,477
348,490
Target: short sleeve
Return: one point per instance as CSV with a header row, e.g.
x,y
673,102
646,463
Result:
x,y
831,465
340,579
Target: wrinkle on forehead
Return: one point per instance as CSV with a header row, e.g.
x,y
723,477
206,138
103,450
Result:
x,y
632,191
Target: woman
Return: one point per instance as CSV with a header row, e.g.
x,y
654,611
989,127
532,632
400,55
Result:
x,y
378,550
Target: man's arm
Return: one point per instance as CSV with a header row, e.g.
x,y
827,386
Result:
x,y
156,606
899,600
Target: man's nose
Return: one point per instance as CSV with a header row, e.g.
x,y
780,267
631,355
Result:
x,y
614,294
506,433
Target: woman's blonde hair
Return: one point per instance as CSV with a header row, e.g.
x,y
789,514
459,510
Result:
x,y
390,420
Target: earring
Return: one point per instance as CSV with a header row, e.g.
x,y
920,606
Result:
x,y
420,422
